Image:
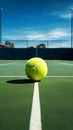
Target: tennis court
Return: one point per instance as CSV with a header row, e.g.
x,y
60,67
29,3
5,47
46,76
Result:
x,y
56,96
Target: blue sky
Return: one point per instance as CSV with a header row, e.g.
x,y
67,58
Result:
x,y
36,19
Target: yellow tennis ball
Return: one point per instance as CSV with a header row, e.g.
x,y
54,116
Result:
x,y
36,68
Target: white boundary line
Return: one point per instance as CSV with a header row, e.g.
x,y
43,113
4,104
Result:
x,y
35,119
63,63
15,76
59,76
12,76
8,63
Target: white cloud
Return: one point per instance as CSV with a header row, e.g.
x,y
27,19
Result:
x,y
58,37
8,37
65,16
51,35
35,36
56,33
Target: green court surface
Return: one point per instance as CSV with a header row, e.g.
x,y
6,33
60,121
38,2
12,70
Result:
x,y
56,96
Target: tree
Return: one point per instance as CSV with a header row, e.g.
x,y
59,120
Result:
x,y
12,45
31,47
42,45
9,44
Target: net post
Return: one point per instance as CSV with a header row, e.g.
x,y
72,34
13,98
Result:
x,y
71,10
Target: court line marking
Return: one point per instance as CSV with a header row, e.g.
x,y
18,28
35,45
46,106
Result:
x,y
35,119
59,76
63,63
15,76
8,63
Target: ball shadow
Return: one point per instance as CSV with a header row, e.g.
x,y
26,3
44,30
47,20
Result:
x,y
21,81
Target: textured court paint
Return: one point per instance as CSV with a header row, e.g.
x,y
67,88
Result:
x,y
35,119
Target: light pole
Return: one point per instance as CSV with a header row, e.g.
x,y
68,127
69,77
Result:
x,y
1,25
71,10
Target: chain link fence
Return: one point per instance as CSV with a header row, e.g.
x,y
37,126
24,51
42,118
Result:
x,y
40,43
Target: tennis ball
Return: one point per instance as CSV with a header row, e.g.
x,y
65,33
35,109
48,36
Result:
x,y
36,68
